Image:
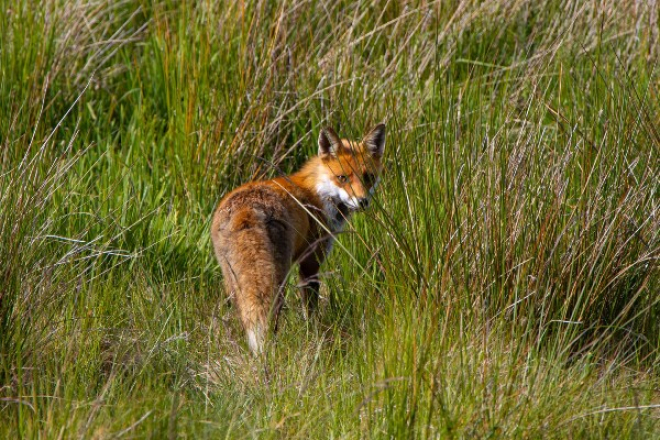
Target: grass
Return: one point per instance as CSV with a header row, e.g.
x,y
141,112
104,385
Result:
x,y
504,285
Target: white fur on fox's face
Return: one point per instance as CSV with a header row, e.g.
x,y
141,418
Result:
x,y
327,190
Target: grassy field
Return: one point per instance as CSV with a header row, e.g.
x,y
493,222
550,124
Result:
x,y
505,284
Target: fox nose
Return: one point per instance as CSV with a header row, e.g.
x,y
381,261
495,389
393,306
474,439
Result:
x,y
364,203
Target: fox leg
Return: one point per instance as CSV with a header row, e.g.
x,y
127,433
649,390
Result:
x,y
310,285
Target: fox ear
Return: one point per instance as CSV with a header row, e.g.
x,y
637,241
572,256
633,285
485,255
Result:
x,y
329,143
375,140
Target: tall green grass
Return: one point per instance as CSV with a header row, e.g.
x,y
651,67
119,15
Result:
x,y
504,284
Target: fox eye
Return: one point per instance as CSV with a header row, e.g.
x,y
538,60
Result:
x,y
369,178
342,178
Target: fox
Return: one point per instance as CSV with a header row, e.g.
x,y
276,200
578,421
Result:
x,y
262,229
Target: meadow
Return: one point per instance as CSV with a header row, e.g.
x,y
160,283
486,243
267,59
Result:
x,y
504,284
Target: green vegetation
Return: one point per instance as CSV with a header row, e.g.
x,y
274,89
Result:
x,y
504,285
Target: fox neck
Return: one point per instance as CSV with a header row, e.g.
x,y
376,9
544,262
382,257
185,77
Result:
x,y
336,213
313,176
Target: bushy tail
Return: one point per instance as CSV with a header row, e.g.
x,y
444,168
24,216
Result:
x,y
254,270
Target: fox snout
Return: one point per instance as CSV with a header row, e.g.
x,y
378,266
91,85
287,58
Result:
x,y
353,203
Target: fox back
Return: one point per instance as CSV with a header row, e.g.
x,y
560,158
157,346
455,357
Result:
x,y
261,229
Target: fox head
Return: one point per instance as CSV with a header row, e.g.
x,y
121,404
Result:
x,y
349,170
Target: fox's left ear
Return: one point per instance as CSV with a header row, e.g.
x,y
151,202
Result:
x,y
375,140
329,143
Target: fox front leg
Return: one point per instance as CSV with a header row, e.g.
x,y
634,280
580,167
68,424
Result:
x,y
309,285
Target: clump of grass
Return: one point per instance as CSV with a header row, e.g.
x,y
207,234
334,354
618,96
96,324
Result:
x,y
503,285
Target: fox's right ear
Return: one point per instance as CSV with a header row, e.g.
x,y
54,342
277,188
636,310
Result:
x,y
329,143
375,140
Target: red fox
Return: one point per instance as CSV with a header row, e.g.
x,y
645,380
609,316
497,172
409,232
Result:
x,y
261,229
